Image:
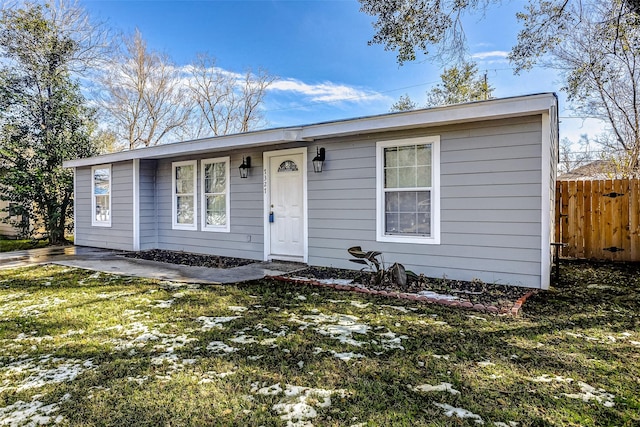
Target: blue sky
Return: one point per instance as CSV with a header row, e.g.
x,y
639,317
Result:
x,y
319,51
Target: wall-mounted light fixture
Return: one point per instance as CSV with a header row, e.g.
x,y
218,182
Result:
x,y
318,160
245,166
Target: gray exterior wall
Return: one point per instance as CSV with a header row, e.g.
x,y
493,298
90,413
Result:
x,y
148,205
120,234
491,189
246,236
491,193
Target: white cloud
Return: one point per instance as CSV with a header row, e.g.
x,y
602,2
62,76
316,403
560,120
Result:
x,y
324,92
491,54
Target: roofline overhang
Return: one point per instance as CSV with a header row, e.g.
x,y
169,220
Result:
x,y
439,116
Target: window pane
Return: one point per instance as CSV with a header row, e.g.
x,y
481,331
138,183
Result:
x,y
391,178
391,157
407,156
408,202
408,212
391,202
407,224
424,201
424,176
102,208
184,179
184,214
216,210
423,154
101,181
215,179
391,223
407,177
220,182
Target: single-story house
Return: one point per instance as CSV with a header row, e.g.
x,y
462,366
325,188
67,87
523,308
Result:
x,y
463,191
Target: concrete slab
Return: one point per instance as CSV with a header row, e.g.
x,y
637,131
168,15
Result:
x,y
114,262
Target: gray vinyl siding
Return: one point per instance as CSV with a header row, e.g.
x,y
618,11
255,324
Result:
x,y
490,183
246,236
120,234
147,205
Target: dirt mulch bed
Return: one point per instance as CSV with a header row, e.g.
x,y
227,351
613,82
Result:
x,y
191,259
476,293
503,297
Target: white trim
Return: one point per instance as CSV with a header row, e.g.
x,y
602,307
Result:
x,y
174,223
75,206
203,198
434,239
545,209
94,222
266,156
136,204
452,114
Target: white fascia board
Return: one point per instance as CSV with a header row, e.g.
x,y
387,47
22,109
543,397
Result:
x,y
200,146
439,116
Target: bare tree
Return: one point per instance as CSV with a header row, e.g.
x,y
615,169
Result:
x,y
226,102
600,62
574,155
143,93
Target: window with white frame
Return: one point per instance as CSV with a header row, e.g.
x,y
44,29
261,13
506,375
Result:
x,y
215,194
184,195
408,178
101,196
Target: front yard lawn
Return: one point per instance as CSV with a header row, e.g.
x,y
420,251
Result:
x,y
84,348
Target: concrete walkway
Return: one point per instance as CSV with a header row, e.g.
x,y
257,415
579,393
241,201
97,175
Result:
x,y
108,261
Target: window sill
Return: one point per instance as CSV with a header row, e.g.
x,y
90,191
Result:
x,y
101,224
184,227
409,239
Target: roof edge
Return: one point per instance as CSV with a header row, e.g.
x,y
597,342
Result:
x,y
438,116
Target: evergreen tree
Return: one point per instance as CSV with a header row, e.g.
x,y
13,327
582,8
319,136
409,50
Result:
x,y
44,118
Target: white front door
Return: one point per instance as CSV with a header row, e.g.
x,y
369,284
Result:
x,y
286,206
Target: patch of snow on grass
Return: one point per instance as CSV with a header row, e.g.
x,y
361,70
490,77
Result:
x,y
450,411
440,387
338,326
591,393
392,341
470,316
501,424
347,356
298,405
215,322
441,356
220,347
359,304
32,413
237,308
243,339
485,364
42,373
163,303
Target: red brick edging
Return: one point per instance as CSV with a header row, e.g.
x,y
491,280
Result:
x,y
514,311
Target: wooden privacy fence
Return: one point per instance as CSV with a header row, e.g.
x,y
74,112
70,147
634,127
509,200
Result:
x,y
599,219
